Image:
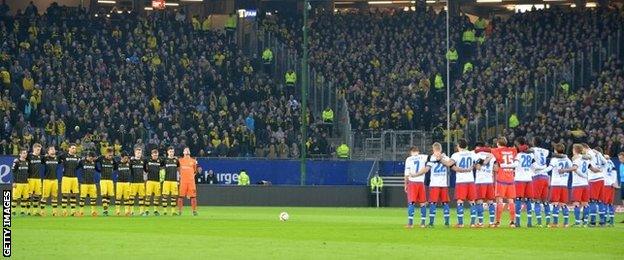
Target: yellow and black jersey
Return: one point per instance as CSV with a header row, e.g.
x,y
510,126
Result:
x,y
88,172
70,165
171,169
152,167
136,169
51,166
106,167
123,172
20,171
35,165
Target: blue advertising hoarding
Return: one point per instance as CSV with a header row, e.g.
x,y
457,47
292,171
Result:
x,y
279,172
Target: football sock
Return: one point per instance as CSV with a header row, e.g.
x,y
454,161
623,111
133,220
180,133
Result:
x,y
42,203
141,204
555,214
164,201
447,211
473,213
180,203
547,213
592,212
73,199
156,203
410,214
130,203
566,215
147,202
118,202
492,212
460,213
538,213
432,213
601,213
499,211
518,205
512,211
529,210
611,214
22,205
479,207
105,202
194,204
64,201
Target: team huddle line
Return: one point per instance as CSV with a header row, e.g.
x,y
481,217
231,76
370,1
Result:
x,y
152,181
518,176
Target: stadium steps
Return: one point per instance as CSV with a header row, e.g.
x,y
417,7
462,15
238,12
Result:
x,y
392,181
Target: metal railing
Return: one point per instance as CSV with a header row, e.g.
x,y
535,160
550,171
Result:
x,y
322,93
388,144
578,69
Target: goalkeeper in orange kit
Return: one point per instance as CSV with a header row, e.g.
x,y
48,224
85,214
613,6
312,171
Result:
x,y
188,169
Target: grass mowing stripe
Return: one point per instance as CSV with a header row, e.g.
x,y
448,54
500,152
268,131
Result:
x,y
312,233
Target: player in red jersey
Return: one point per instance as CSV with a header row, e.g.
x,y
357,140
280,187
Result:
x,y
504,176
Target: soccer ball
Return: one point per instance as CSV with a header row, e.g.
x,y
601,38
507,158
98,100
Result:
x,y
283,216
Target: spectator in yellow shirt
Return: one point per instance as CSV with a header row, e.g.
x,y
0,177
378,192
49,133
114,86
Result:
x,y
5,75
28,83
184,61
151,41
196,24
155,102
117,147
218,58
207,24
60,128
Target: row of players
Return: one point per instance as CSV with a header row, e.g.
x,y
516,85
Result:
x,y
516,175
166,181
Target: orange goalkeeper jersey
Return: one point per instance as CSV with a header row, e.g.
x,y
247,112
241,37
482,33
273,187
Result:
x,y
505,157
188,168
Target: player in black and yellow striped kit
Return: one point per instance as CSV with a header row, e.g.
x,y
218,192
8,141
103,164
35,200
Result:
x,y
106,165
20,183
122,187
69,181
50,181
170,184
137,187
87,184
152,187
35,167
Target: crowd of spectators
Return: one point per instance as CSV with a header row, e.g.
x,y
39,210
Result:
x,y
121,80
592,114
392,65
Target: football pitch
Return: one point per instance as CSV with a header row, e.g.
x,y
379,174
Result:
x,y
311,233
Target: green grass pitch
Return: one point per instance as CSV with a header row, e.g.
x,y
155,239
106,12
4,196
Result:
x,y
311,233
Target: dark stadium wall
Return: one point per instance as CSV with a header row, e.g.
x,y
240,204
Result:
x,y
294,196
42,5
286,196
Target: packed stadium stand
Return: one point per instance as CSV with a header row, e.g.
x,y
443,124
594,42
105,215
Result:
x,y
161,80
122,80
